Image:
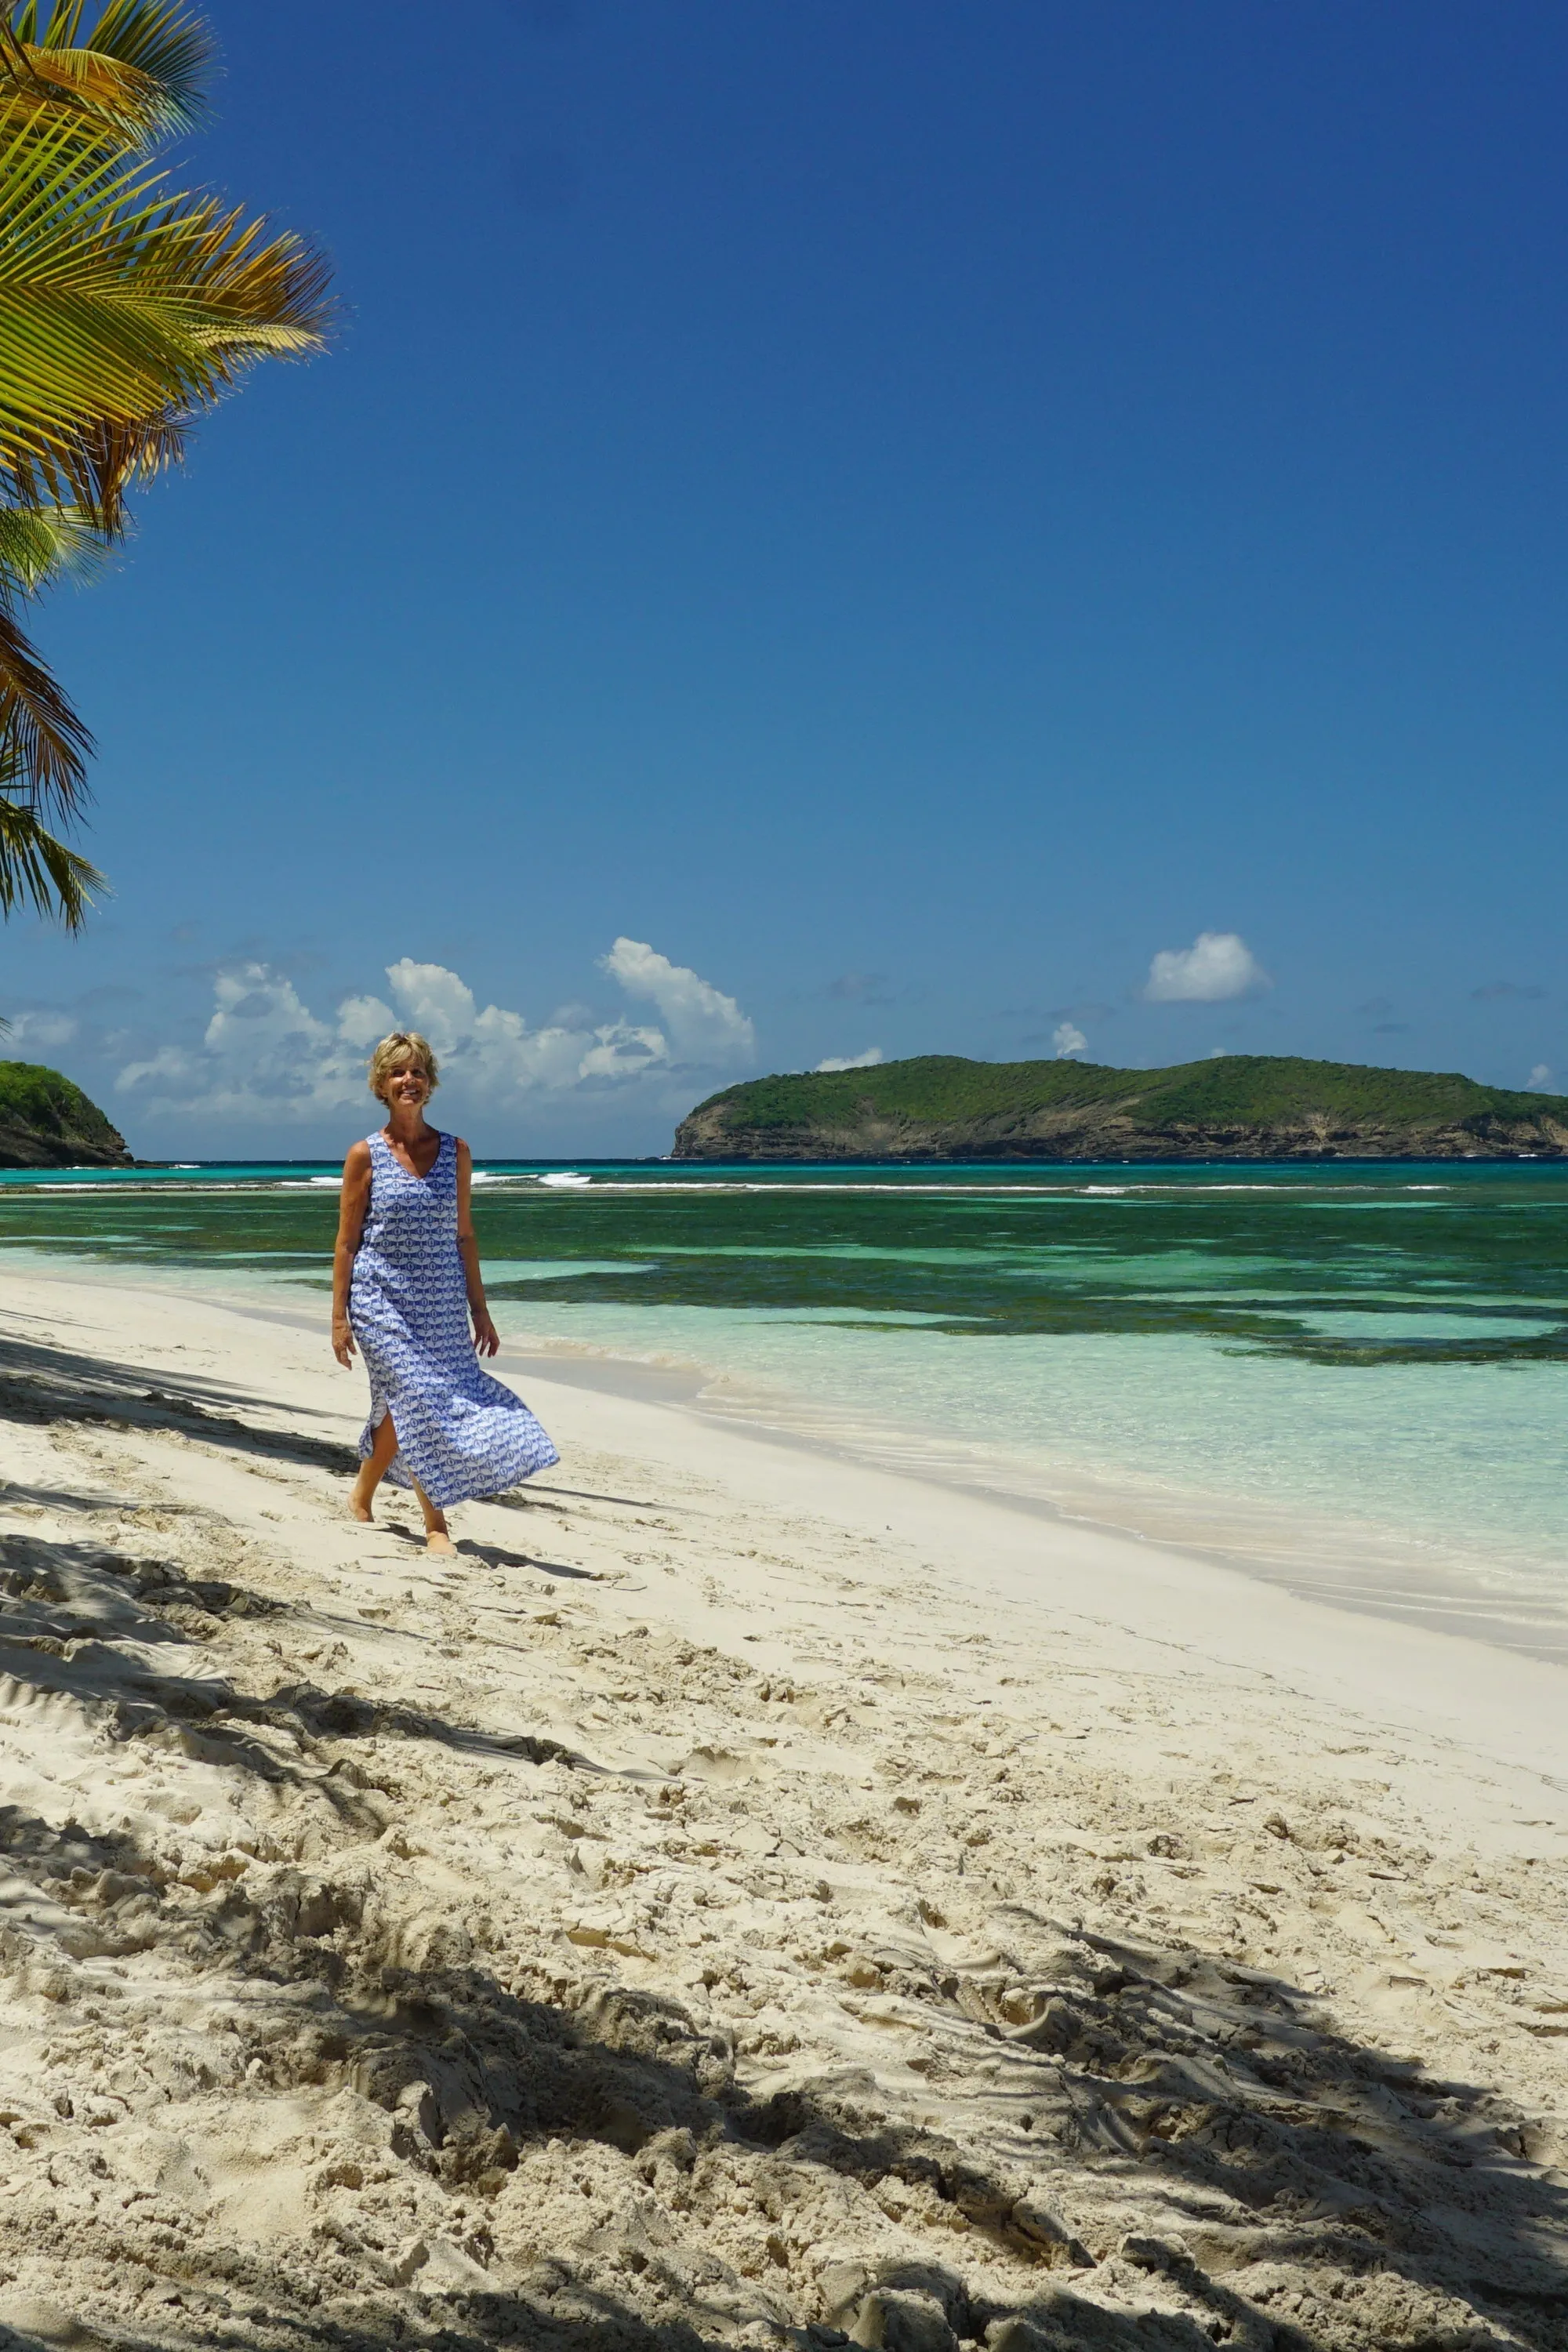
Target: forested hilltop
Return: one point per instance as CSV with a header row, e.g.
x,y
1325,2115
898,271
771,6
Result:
x,y
46,1122
1237,1106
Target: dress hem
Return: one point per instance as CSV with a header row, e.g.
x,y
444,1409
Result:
x,y
397,1473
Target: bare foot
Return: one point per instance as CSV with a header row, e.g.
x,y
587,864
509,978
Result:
x,y
438,1541
359,1508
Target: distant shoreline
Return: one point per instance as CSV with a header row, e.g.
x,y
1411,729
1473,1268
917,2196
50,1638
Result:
x,y
727,1165
1235,1107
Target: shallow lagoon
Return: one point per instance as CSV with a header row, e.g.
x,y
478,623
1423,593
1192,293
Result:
x,y
1355,1378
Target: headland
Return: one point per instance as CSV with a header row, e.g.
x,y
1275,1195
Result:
x,y
1235,1106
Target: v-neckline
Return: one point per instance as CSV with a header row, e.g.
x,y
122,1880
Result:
x,y
397,1163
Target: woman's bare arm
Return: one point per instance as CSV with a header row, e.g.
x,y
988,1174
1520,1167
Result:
x,y
487,1338
354,1203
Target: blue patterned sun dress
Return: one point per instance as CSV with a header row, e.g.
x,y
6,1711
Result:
x,y
460,1433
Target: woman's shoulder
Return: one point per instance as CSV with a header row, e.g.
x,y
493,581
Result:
x,y
359,1156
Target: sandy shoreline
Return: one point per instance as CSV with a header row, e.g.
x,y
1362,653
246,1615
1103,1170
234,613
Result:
x,y
756,1898
1345,1564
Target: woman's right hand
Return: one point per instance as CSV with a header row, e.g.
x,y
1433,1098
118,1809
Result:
x,y
343,1340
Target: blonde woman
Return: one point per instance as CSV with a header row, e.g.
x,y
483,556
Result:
x,y
405,1280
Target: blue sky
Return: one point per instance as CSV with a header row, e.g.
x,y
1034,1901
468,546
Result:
x,y
898,515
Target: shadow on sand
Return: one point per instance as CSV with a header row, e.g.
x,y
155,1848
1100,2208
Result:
x,y
1179,2080
41,1381
1276,2141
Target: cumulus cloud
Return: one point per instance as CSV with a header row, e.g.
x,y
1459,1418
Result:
x,y
866,1061
1068,1040
703,1024
42,1031
254,1008
364,1021
1539,1077
265,1053
1217,966
168,1063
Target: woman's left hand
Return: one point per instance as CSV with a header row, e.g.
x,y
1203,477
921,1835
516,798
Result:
x,y
487,1338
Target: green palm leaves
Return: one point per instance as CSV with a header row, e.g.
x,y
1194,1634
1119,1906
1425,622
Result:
x,y
126,308
144,65
37,868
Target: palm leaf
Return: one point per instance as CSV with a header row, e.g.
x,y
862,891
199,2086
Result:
x,y
37,870
125,308
41,544
44,744
42,740
142,70
120,304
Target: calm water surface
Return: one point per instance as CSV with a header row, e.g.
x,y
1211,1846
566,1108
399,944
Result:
x,y
1351,1378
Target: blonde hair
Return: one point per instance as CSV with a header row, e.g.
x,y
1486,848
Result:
x,y
403,1046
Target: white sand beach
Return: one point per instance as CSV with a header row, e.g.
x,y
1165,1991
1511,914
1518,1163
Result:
x,y
748,1898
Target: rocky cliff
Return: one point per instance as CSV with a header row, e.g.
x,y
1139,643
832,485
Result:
x,y
1240,1107
46,1122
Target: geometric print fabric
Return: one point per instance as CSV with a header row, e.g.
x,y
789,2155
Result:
x,y
460,1433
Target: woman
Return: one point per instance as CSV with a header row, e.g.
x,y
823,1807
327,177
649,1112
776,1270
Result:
x,y
407,1267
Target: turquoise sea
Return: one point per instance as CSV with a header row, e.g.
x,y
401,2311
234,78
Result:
x,y
1354,1379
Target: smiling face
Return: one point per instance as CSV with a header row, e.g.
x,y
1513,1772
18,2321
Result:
x,y
402,1071
406,1085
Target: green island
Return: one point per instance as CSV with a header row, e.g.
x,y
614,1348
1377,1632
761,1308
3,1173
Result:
x,y
47,1122
1235,1106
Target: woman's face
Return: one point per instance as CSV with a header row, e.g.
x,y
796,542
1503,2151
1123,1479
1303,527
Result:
x,y
406,1087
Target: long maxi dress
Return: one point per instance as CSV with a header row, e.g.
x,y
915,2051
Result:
x,y
460,1433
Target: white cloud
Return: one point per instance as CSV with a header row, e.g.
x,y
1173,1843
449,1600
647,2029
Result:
x,y
434,1001
167,1064
703,1024
265,1053
364,1019
866,1061
499,1047
1539,1077
1218,1053
1218,965
44,1030
1069,1040
257,1009
622,1051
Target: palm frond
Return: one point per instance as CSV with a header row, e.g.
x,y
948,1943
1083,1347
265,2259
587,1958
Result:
x,y
126,308
42,544
117,455
142,69
119,305
39,870
43,742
